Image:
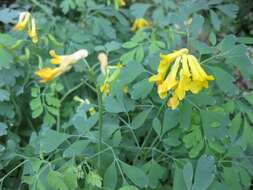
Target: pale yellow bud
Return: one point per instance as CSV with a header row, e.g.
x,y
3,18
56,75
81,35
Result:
x,y
103,59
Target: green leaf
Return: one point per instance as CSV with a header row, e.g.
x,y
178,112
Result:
x,y
245,40
201,47
6,109
216,146
235,126
231,178
55,180
246,138
130,72
3,128
249,97
194,141
215,20
156,124
141,89
215,124
136,175
70,178
188,175
113,105
129,45
110,177
155,173
224,81
139,54
139,9
139,119
245,177
51,140
52,101
76,148
6,58
53,111
170,120
4,95
36,103
185,112
229,9
212,38
197,24
7,40
178,179
67,5
204,173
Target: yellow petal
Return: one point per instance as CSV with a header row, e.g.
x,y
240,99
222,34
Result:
x,y
23,20
183,86
47,74
32,33
185,66
196,76
173,102
201,70
170,80
139,24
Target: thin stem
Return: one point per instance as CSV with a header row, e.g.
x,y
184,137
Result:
x,y
147,136
100,122
6,175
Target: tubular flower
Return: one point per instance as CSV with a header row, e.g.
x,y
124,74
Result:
x,y
184,73
32,33
65,63
23,20
139,24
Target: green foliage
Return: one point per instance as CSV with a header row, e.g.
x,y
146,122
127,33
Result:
x,y
67,135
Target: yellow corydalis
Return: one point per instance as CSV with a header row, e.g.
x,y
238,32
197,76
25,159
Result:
x,y
32,32
64,63
184,73
139,24
24,21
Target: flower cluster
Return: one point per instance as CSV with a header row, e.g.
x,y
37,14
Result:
x,y
184,73
65,63
25,21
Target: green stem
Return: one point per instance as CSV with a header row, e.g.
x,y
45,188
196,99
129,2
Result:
x,y
147,136
100,122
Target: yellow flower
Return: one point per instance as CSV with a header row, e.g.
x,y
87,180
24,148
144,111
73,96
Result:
x,y
121,3
170,80
105,88
139,24
47,74
103,60
64,64
23,20
32,33
165,61
186,74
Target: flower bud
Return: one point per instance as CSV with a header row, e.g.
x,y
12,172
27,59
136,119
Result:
x,y
103,59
